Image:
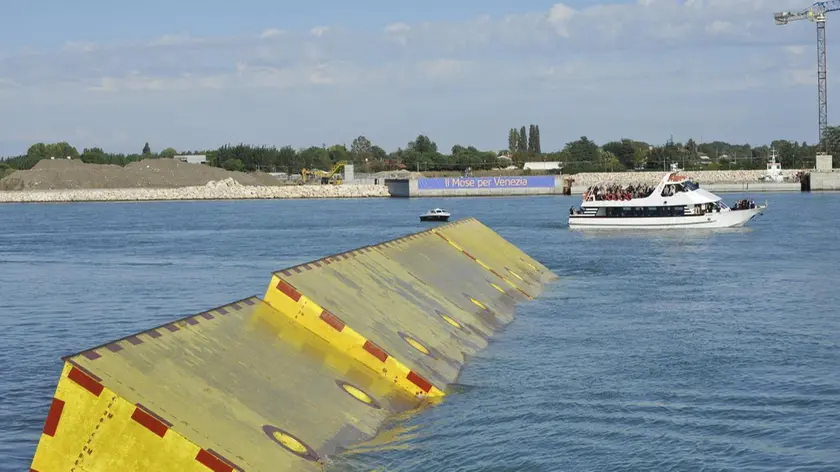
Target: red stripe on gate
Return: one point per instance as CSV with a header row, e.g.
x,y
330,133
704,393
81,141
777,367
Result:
x,y
419,381
149,421
53,416
375,351
442,236
288,290
86,381
213,462
91,355
332,320
469,255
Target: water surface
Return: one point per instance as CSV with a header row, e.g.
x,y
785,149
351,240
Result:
x,y
666,350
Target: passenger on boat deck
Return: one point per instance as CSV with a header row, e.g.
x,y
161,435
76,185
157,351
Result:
x,y
618,192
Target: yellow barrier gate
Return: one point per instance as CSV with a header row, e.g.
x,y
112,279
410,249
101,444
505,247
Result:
x,y
333,349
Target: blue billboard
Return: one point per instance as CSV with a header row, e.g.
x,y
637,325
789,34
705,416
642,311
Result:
x,y
456,183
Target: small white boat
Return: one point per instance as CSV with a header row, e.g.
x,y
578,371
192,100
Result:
x,y
435,214
675,202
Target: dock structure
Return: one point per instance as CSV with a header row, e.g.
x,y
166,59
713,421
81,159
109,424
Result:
x,y
476,186
823,177
283,381
506,186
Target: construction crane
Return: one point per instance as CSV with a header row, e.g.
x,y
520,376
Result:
x,y
816,13
333,177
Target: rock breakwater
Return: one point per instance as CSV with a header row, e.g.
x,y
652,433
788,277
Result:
x,y
227,189
701,176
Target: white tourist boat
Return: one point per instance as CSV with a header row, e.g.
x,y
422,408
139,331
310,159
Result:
x,y
675,202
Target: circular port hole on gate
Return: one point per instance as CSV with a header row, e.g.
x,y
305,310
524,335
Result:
x,y
478,303
289,442
416,344
500,289
449,320
358,394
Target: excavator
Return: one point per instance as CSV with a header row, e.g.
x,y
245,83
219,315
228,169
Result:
x,y
313,176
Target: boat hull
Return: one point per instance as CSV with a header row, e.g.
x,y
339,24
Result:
x,y
434,218
724,219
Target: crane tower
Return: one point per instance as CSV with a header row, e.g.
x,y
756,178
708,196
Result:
x,y
816,13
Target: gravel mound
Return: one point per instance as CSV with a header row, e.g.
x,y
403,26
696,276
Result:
x,y
148,173
397,174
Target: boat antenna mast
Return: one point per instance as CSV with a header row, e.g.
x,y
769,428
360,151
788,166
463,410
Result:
x,y
816,13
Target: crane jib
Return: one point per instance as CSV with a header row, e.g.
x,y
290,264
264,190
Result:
x,y
816,13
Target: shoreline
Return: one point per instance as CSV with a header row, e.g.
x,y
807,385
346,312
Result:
x,y
199,194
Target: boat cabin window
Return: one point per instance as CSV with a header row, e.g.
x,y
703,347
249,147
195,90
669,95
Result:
x,y
645,212
672,189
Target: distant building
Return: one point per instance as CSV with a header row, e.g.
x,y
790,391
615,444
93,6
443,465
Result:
x,y
193,159
539,165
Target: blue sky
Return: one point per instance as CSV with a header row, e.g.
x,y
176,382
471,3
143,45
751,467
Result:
x,y
196,75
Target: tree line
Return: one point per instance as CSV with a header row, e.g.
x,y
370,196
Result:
x,y
422,154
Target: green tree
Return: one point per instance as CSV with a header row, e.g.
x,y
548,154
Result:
x,y
423,145
146,149
537,147
523,140
233,165
610,162
832,144
361,151
513,140
168,152
96,156
315,157
338,153
639,158
623,150
532,138
583,150
379,154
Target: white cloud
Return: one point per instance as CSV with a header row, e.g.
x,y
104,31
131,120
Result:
x,y
398,27
271,33
644,69
318,31
75,46
795,49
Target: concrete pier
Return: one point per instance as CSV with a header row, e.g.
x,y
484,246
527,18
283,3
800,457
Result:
x,y
824,180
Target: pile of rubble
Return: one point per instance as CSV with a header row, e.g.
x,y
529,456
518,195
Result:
x,y
148,173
